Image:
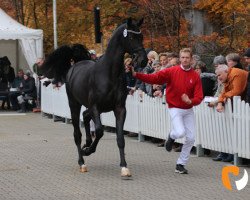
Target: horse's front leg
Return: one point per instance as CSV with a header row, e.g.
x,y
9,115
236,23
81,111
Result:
x,y
86,121
98,132
120,115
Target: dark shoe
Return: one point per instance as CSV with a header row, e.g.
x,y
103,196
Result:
x,y
180,169
229,158
207,152
21,111
177,149
161,144
58,119
169,144
217,159
132,135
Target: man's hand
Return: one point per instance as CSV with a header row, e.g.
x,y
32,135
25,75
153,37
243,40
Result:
x,y
186,99
220,107
131,68
212,104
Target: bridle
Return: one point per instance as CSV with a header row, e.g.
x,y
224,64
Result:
x,y
125,34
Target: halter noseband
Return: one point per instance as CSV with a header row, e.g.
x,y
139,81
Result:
x,y
135,32
126,31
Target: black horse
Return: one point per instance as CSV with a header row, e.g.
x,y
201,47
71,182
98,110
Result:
x,y
99,86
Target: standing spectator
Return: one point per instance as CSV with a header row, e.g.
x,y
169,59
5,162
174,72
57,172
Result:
x,y
7,73
144,87
247,59
130,80
37,67
157,90
233,60
38,72
174,60
163,57
208,80
218,60
184,90
195,59
235,82
152,56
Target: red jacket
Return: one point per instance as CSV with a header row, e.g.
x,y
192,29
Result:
x,y
178,82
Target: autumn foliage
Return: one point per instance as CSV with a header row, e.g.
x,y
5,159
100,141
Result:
x,y
166,27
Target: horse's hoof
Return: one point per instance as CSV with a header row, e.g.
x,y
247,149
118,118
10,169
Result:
x,y
83,168
125,173
86,151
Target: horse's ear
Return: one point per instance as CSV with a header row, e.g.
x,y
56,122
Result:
x,y
140,22
129,22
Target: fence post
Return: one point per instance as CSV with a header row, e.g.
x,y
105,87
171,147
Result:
x,y
141,138
199,150
236,111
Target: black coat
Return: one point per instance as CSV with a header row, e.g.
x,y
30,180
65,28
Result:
x,y
29,87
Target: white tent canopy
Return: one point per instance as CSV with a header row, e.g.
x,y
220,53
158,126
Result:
x,y
30,41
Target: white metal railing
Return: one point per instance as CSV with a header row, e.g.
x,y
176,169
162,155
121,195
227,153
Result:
x,y
227,132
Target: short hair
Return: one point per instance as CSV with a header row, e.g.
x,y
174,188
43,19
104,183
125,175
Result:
x,y
200,65
233,56
173,55
222,67
127,60
196,57
153,53
163,54
186,50
218,60
247,53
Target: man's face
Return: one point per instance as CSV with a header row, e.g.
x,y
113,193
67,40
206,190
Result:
x,y
20,74
163,60
39,62
185,59
222,76
247,59
151,58
231,63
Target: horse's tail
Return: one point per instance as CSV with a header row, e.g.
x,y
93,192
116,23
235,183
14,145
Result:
x,y
57,64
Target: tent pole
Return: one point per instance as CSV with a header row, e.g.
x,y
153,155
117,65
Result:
x,y
17,56
55,24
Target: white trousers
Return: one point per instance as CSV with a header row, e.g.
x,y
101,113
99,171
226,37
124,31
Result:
x,y
183,125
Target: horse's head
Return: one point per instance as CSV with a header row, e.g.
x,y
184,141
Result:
x,y
133,42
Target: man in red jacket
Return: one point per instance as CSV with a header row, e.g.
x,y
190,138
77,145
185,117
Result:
x,y
183,91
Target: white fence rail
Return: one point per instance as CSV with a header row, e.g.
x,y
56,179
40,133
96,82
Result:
x,y
228,132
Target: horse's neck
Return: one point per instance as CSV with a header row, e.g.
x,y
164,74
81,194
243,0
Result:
x,y
115,56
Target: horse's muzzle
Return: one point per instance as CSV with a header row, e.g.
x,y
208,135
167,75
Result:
x,y
140,60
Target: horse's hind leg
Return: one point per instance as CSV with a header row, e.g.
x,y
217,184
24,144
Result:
x,y
75,109
120,115
86,120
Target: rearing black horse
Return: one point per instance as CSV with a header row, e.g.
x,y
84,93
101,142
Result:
x,y
99,86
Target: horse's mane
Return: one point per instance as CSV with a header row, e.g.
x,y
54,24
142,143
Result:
x,y
57,64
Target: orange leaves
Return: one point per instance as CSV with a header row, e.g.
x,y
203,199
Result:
x,y
230,19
